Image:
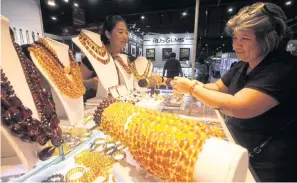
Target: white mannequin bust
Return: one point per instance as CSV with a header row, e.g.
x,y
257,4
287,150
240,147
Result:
x,y
26,152
107,73
127,78
141,63
66,107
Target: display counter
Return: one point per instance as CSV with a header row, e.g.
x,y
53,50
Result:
x,y
64,163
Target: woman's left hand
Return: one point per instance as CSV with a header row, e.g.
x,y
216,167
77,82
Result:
x,y
182,85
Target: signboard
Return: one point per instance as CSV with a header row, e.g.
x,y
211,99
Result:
x,y
78,16
168,39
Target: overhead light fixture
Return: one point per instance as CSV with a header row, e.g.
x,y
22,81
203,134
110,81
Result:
x,y
51,2
134,25
142,17
75,4
54,18
206,45
184,13
288,3
230,10
222,37
138,29
66,1
223,44
162,15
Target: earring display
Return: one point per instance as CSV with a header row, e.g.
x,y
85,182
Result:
x,y
38,37
27,37
21,37
15,34
33,36
166,145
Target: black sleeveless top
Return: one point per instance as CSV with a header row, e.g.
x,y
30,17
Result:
x,y
276,76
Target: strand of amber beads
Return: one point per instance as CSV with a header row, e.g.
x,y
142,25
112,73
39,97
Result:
x,y
164,144
70,85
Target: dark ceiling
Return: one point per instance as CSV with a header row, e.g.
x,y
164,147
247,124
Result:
x,y
160,16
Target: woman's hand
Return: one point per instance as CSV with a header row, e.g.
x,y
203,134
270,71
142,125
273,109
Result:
x,y
183,85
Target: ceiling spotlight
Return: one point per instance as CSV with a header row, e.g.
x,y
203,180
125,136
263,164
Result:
x,y
54,18
134,25
51,2
162,15
184,13
206,45
66,1
223,44
288,3
222,37
230,10
75,4
138,29
142,17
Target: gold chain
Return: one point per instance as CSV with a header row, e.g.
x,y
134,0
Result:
x,y
146,72
92,47
70,84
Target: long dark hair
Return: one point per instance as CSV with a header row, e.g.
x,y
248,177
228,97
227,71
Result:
x,y
109,25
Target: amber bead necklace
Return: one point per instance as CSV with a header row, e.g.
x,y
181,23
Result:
x,y
93,48
67,79
145,73
127,66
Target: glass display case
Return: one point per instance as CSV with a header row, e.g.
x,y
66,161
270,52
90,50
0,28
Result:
x,y
65,162
187,71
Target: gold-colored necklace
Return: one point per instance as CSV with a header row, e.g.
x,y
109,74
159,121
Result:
x,y
67,79
127,66
92,47
146,72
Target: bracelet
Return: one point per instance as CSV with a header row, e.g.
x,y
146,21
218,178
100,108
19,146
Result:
x,y
192,88
74,171
118,155
55,178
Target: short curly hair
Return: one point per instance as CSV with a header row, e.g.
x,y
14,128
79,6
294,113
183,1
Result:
x,y
270,28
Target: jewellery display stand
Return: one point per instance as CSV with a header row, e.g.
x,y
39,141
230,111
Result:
x,y
16,149
140,65
72,109
122,90
126,77
107,74
219,161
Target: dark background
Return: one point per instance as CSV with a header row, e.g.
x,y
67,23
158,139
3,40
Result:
x,y
161,16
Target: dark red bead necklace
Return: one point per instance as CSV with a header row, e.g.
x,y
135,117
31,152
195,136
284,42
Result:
x,y
41,97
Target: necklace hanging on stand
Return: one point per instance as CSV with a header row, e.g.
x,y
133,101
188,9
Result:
x,y
145,73
92,47
67,79
127,66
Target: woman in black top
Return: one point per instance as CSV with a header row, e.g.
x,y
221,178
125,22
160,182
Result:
x,y
259,94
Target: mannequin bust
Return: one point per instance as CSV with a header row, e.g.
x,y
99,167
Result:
x,y
143,68
107,73
66,107
125,77
26,152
